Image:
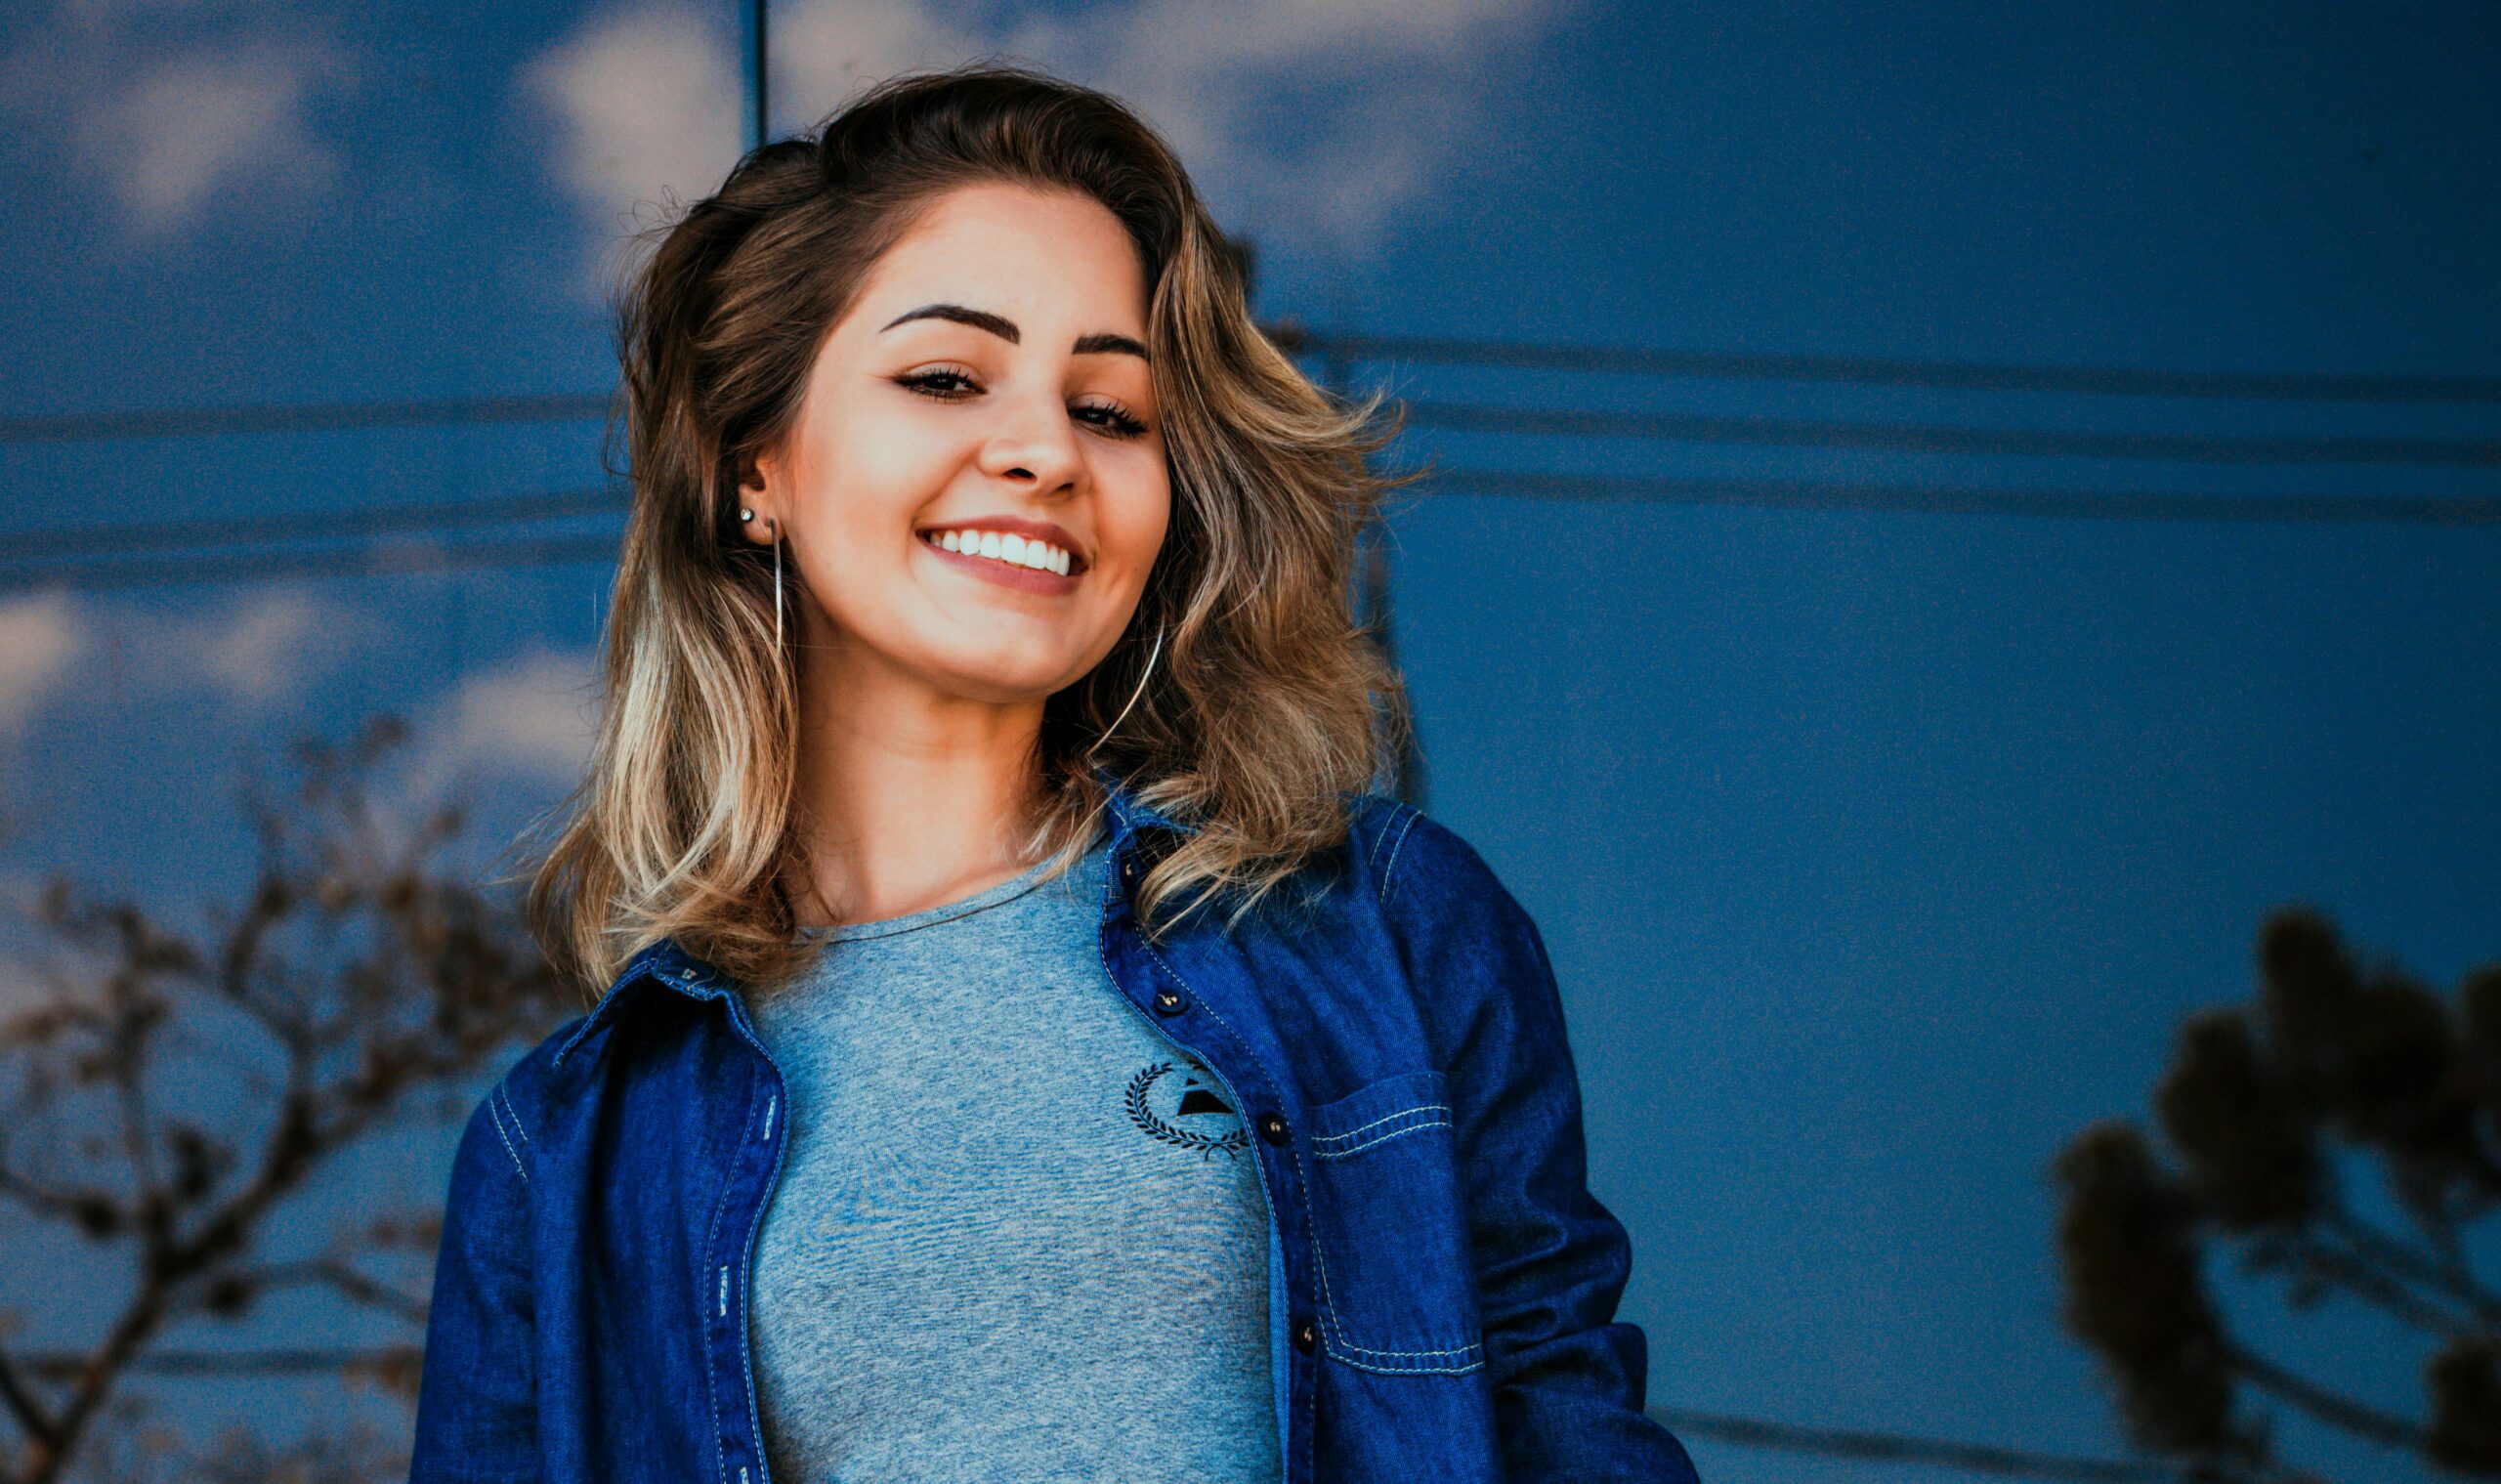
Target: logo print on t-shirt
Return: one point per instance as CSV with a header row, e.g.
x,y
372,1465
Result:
x,y
1195,1113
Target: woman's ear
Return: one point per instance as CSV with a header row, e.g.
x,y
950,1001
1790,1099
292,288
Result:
x,y
757,487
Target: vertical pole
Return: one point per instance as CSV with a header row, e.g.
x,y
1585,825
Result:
x,y
759,113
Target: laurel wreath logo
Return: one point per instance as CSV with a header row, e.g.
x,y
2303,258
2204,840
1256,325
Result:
x,y
1144,1117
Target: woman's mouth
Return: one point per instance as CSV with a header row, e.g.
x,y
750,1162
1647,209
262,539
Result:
x,y
1003,546
1007,558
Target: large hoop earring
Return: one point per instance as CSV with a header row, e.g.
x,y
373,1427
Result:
x,y
1158,649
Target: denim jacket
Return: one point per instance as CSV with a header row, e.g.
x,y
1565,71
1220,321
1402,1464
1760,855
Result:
x,y
1448,1283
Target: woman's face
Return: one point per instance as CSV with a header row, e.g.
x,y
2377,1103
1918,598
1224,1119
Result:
x,y
988,390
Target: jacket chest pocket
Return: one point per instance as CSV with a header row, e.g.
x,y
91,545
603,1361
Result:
x,y
1397,1286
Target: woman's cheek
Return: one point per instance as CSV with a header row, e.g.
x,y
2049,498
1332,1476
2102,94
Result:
x,y
1136,485
894,453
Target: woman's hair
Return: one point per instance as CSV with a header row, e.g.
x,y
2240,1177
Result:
x,y
1254,726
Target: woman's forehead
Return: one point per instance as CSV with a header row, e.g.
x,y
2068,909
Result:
x,y
997,243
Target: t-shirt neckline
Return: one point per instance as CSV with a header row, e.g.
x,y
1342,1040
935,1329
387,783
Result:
x,y
948,911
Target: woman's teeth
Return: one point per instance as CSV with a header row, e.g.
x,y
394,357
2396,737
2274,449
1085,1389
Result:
x,y
1006,547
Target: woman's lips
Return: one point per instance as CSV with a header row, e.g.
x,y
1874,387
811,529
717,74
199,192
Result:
x,y
1030,580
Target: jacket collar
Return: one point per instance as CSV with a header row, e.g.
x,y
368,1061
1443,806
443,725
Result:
x,y
665,962
1127,811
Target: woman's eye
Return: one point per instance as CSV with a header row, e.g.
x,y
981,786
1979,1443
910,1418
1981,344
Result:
x,y
1111,419
939,382
947,384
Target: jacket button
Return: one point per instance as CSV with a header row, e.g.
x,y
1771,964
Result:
x,y
1306,1337
1128,871
1272,1128
1167,1003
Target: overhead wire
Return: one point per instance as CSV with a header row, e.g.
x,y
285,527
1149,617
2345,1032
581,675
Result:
x,y
1877,370
378,541
1678,427
1346,347
1920,438
388,538
299,417
1866,1445
122,539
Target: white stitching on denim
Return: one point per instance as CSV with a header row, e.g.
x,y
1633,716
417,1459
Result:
x,y
770,1103
1340,1138
752,1436
1337,1342
1311,1232
605,1007
746,1260
1477,1364
515,1112
1328,1302
711,1234
1375,1143
1371,857
507,1139
1391,868
1468,1349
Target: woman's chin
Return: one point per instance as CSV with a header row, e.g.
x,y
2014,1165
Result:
x,y
1007,684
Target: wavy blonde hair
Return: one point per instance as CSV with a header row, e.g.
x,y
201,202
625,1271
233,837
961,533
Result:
x,y
1253,728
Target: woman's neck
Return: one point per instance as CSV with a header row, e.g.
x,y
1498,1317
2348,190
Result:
x,y
907,798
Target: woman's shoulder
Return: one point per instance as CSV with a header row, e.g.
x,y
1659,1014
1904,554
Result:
x,y
1480,978
1414,862
519,1104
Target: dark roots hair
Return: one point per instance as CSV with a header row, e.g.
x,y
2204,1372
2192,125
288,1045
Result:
x,y
1269,708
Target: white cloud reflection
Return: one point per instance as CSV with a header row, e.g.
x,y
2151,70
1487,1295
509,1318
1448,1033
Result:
x,y
165,113
1318,120
43,638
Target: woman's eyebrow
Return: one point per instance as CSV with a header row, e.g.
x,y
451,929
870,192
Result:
x,y
1099,343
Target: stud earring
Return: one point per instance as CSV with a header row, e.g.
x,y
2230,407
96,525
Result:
x,y
747,517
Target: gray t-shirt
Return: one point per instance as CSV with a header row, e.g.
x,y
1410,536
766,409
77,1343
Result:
x,y
1019,1233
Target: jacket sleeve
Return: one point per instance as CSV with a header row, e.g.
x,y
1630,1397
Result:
x,y
477,1398
1552,1262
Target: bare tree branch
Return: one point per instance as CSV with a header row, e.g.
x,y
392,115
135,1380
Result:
x,y
2356,1273
2448,1277
339,1277
2333,1050
33,1416
2327,1406
373,983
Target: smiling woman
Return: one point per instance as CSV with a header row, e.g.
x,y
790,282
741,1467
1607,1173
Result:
x,y
983,615
993,304
1030,415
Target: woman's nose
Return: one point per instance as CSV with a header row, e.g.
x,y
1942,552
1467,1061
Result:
x,y
1035,445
